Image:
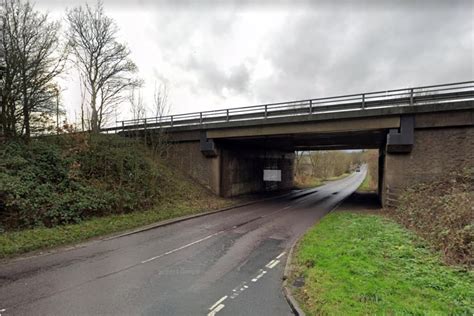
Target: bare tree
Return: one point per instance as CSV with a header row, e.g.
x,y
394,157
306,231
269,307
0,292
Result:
x,y
33,58
161,107
103,62
84,118
137,108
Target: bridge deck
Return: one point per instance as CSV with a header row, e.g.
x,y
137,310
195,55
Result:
x,y
408,99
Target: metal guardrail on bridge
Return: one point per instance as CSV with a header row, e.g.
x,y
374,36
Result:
x,y
352,102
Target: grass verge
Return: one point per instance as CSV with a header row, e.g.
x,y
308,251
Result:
x,y
365,186
17,242
357,264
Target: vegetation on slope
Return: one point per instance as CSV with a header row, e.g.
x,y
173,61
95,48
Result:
x,y
99,183
361,264
442,212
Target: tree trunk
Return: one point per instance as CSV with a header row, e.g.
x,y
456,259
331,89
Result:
x,y
94,115
26,111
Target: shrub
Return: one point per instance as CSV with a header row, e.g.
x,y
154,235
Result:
x,y
64,179
442,212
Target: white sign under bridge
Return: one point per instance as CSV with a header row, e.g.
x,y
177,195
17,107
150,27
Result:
x,y
272,175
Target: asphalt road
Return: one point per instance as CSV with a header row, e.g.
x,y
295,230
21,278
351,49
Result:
x,y
228,263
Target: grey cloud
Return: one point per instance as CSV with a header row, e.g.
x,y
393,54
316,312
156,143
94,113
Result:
x,y
217,80
326,52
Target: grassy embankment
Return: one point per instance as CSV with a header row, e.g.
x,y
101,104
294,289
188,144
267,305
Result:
x,y
359,264
61,190
367,185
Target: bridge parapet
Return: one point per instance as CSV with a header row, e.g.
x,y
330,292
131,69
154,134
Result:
x,y
406,98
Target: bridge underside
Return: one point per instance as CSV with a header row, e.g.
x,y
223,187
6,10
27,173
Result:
x,y
372,139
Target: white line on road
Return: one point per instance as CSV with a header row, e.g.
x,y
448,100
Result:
x,y
218,302
218,308
259,276
269,264
182,247
280,255
274,264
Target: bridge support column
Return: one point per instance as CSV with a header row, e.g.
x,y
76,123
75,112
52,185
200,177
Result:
x,y
242,170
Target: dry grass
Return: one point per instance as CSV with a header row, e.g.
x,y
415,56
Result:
x,y
442,213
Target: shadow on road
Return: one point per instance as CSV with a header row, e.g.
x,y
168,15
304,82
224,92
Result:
x,y
361,201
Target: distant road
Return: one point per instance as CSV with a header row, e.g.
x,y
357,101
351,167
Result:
x,y
228,263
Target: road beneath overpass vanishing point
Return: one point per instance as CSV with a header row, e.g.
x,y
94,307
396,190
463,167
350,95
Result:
x,y
227,263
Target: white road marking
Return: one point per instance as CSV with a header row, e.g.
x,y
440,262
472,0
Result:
x,y
269,264
280,255
218,302
274,264
182,247
218,308
259,276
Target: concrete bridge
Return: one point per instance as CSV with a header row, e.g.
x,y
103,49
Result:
x,y
421,133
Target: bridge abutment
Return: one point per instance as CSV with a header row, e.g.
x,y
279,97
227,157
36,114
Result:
x,y
437,153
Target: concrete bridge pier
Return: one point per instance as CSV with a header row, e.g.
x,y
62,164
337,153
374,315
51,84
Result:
x,y
229,170
242,170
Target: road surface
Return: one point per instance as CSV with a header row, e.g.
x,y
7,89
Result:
x,y
228,263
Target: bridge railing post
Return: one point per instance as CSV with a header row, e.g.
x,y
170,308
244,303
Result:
x,y
411,96
144,123
200,118
363,101
310,106
266,109
227,113
171,120
123,126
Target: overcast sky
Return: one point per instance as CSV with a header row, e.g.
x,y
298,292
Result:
x,y
214,55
